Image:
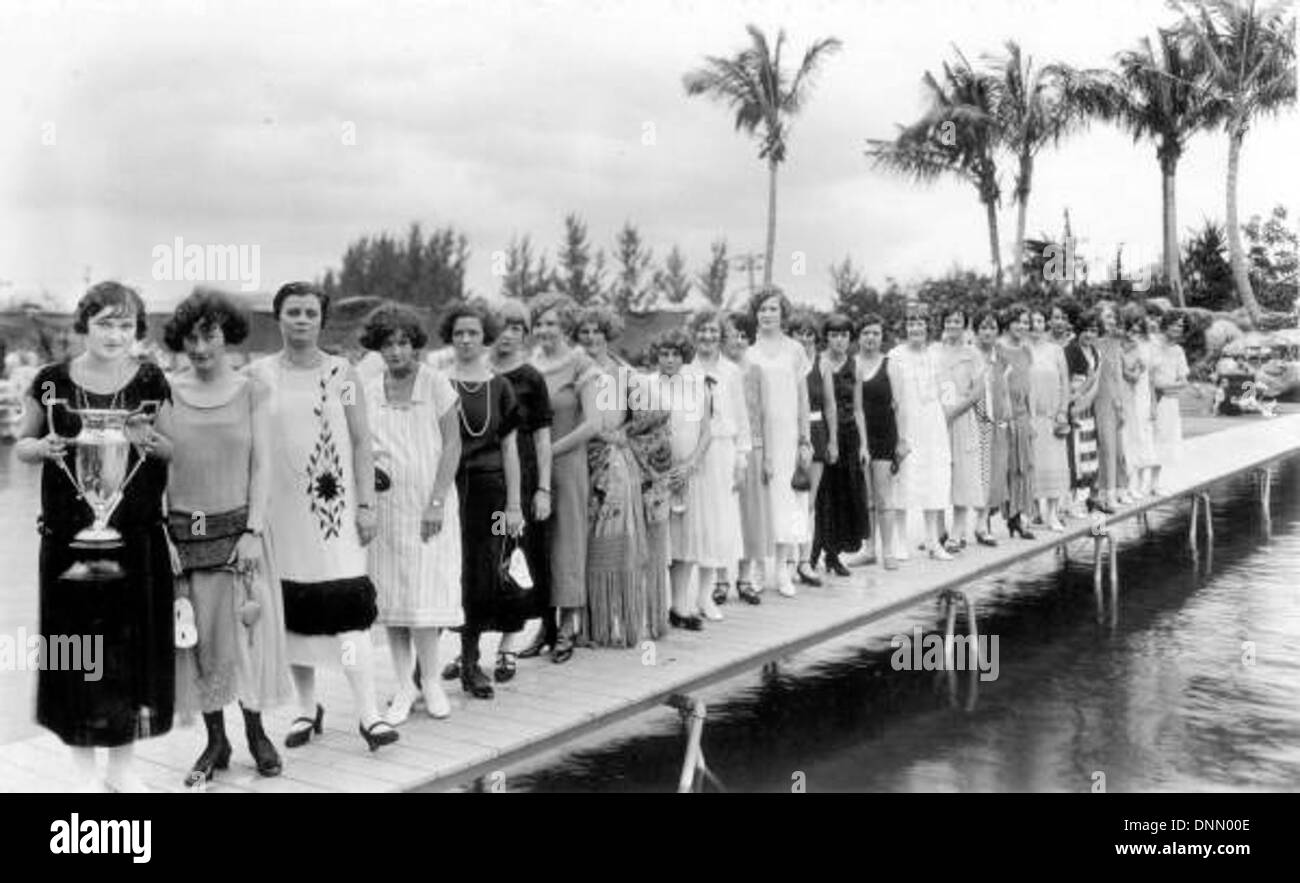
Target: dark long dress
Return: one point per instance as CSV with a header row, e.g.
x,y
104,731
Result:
x,y
134,693
488,413
534,414
842,522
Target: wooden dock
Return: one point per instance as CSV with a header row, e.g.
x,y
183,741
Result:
x,y
549,706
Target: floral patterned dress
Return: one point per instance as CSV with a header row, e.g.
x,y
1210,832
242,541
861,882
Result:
x,y
311,521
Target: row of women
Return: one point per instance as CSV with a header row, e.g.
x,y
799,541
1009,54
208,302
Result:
x,y
281,511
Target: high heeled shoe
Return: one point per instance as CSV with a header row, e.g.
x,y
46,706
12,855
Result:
x,y
806,576
562,652
746,592
836,566
505,669
1016,527
541,644
215,756
299,737
984,539
378,740
720,592
474,681
266,758
690,623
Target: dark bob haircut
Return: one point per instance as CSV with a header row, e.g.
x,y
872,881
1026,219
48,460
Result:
x,y
205,310
607,321
674,339
871,319
473,310
1089,318
300,289
838,322
762,296
119,299
1009,315
743,324
979,317
804,319
386,320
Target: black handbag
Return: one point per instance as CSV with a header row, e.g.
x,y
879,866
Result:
x,y
801,480
382,480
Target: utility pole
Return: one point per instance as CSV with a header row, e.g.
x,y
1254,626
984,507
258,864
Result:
x,y
750,262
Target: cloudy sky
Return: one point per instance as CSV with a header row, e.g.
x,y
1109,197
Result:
x,y
298,126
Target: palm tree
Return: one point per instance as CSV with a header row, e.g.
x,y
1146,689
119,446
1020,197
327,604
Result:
x,y
1152,95
761,93
956,136
1033,108
1248,59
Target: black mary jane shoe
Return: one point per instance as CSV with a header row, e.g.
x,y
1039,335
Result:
x,y
474,682
746,592
216,756
298,738
836,566
690,623
562,652
720,592
505,669
806,576
377,740
451,671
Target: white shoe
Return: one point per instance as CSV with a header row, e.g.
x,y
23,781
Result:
x,y
939,553
435,701
859,558
399,710
786,586
709,610
1056,526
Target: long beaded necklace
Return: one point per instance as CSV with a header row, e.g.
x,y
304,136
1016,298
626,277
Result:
x,y
473,389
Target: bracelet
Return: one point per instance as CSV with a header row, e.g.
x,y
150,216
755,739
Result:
x,y
436,503
544,490
256,532
365,505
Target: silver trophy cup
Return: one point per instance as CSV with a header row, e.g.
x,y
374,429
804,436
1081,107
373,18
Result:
x,y
103,452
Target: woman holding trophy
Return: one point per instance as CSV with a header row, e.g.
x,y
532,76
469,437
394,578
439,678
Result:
x,y
218,497
104,563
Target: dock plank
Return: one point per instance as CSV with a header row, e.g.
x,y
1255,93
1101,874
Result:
x,y
547,706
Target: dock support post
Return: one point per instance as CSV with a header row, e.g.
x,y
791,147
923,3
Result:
x,y
694,769
1265,475
1191,522
1209,516
1113,552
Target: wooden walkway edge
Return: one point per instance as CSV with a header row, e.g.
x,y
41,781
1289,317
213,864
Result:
x,y
548,706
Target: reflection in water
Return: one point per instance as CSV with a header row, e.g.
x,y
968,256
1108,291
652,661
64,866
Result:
x,y
1189,683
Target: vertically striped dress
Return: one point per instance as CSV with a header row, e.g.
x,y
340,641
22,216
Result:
x,y
418,583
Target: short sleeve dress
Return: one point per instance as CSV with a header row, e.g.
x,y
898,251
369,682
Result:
x,y
534,415
925,475
784,366
133,695
417,582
